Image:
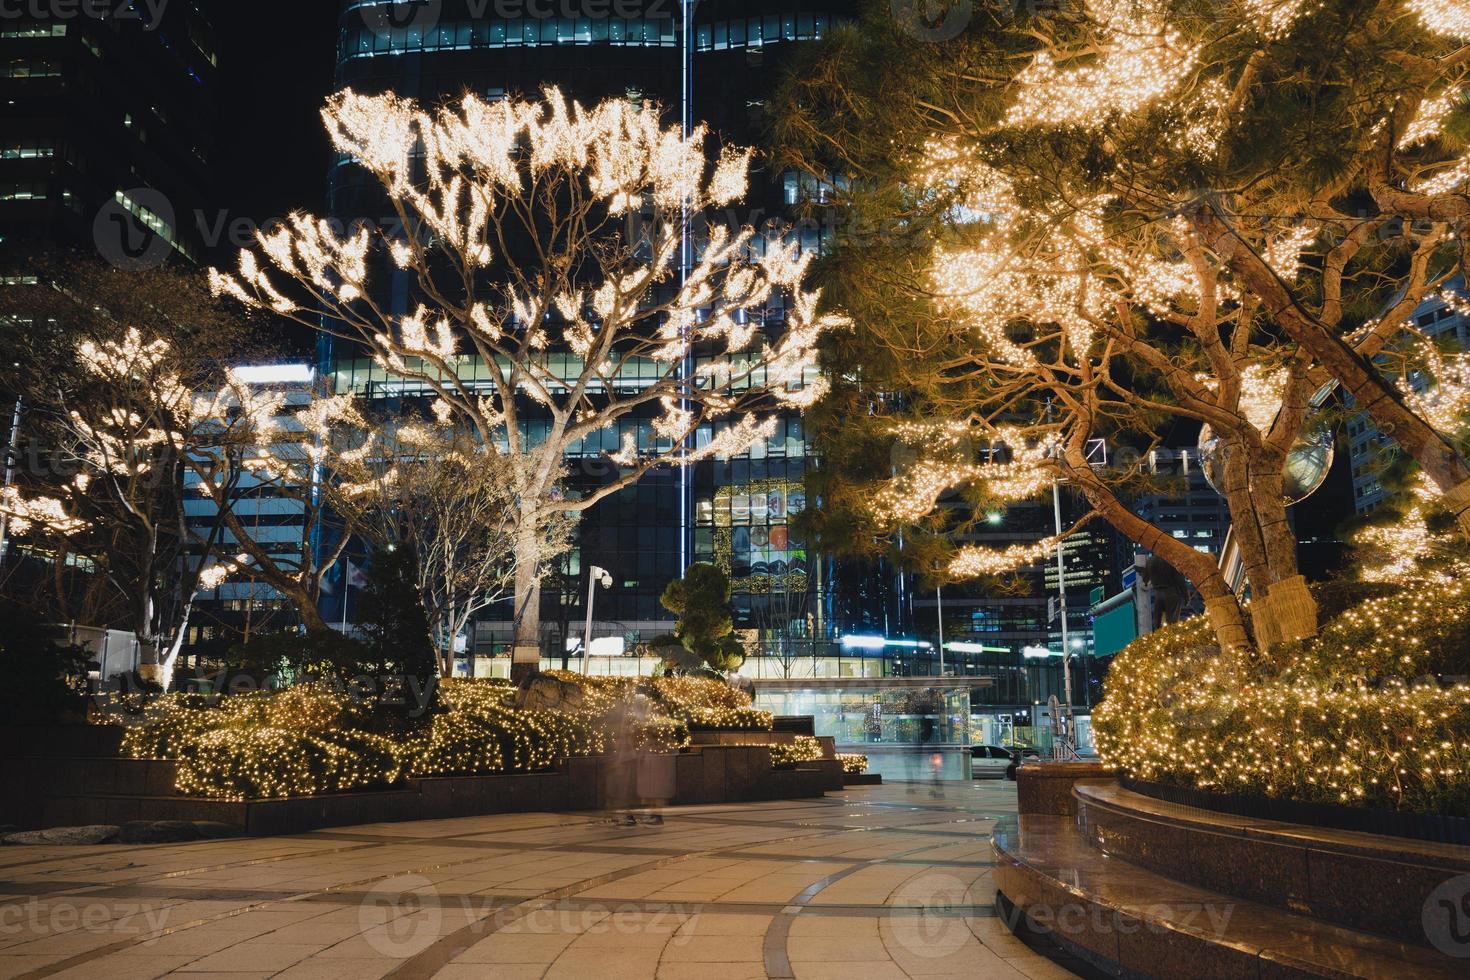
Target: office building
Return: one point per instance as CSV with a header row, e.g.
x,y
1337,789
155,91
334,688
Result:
x,y
107,133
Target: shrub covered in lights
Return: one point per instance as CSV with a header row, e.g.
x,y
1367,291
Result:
x,y
307,739
316,738
240,763
708,705
698,703
852,763
803,748
1372,712
662,735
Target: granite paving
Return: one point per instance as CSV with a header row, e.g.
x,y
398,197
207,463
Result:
x,y
873,882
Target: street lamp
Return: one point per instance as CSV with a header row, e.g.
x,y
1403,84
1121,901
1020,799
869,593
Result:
x,y
594,576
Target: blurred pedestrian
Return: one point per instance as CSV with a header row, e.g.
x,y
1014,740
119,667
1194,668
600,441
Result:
x,y
621,771
638,780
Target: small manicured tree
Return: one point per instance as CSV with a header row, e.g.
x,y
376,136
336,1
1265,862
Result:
x,y
701,600
396,626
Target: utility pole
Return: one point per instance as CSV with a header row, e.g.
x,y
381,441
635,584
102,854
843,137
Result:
x,y
1056,503
686,264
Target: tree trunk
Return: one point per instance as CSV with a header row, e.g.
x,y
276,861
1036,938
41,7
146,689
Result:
x,y
172,658
1249,537
1292,607
149,668
1199,568
311,616
526,656
442,639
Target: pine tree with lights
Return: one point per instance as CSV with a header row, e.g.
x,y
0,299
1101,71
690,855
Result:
x,y
1094,222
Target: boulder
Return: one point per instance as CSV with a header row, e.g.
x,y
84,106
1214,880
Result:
x,y
95,834
549,693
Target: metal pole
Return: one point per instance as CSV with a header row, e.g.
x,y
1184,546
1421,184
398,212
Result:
x,y
939,612
587,630
686,264
9,480
346,592
1056,500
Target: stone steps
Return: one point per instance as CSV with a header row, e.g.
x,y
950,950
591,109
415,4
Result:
x,y
1141,888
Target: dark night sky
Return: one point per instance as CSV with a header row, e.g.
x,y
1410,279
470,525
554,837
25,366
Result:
x,y
276,62
276,69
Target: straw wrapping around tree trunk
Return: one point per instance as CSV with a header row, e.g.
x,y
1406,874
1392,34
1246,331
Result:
x,y
1224,614
1263,619
1458,502
1294,609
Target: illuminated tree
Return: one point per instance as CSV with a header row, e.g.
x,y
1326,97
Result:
x,y
265,450
122,427
543,242
144,441
99,489
1254,123
1132,211
452,504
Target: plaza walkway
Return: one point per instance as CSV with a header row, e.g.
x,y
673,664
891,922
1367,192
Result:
x,y
873,883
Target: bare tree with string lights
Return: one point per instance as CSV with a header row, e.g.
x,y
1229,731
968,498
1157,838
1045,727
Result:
x,y
542,240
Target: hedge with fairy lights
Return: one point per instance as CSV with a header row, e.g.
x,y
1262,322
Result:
x,y
1375,711
315,738
804,748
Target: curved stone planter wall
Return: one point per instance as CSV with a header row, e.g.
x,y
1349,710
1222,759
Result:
x,y
1366,882
1139,887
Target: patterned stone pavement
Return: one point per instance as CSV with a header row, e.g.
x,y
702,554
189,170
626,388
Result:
x,y
876,882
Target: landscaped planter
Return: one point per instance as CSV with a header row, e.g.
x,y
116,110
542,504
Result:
x,y
710,774
1368,820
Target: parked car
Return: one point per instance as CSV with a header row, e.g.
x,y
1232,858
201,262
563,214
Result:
x,y
1019,754
989,761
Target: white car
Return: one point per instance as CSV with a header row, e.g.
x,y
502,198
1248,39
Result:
x,y
989,761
